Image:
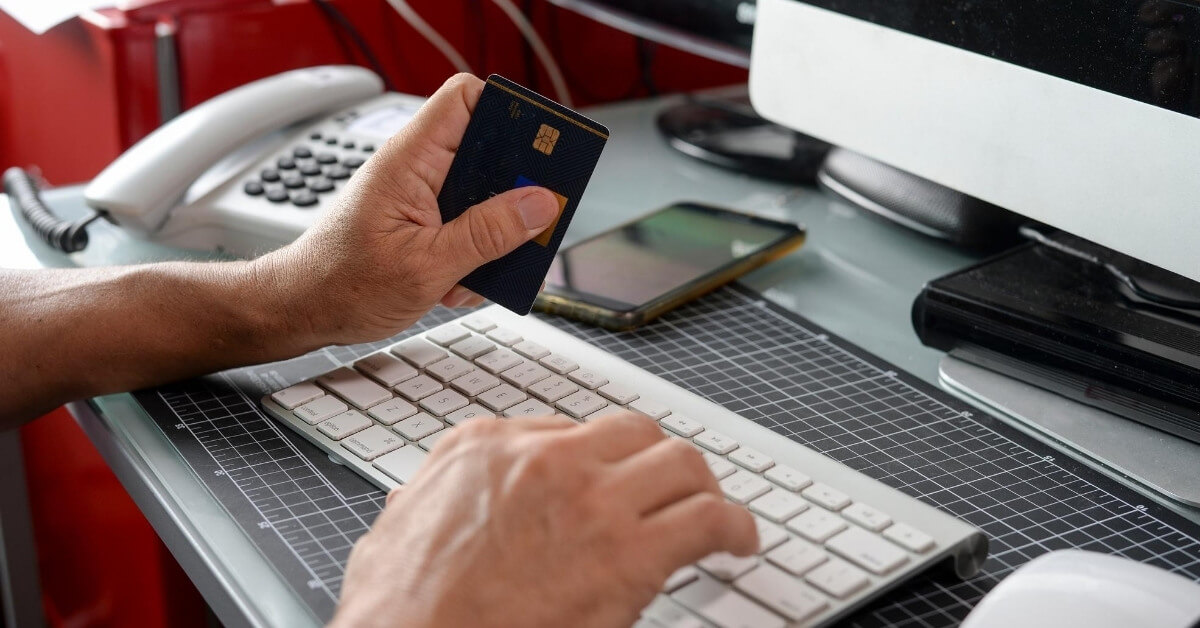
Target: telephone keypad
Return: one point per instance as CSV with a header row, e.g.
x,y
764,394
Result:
x,y
302,152
269,174
277,195
293,180
286,163
310,169
337,173
326,158
253,188
353,162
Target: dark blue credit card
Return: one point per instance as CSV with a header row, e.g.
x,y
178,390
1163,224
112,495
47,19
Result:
x,y
518,138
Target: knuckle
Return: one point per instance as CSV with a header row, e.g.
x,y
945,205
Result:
x,y
488,236
459,79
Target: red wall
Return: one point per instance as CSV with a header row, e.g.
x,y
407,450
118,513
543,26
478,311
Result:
x,y
75,97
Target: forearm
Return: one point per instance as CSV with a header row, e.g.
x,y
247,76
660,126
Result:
x,y
75,333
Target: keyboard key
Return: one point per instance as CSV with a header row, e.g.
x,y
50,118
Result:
x,y
719,466
418,387
769,535
447,334
449,368
715,442
781,593
353,387
401,465
552,388
473,347
501,397
418,353
743,486
472,384
682,576
386,369
816,525
415,428
497,361
788,477
478,324
867,551
320,409
797,556
837,578
525,375
531,350
652,409
559,364
372,442
866,516
826,497
607,410
392,410
428,442
344,424
725,607
587,378
529,408
682,425
618,394
778,505
443,402
506,337
664,613
909,537
581,403
297,395
755,461
472,411
726,566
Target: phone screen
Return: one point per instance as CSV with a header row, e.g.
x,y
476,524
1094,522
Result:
x,y
634,264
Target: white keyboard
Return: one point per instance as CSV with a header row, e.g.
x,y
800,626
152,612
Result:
x,y
831,538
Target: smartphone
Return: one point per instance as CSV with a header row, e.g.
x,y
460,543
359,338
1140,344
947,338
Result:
x,y
634,273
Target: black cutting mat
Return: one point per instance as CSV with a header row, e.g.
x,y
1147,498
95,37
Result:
x,y
753,357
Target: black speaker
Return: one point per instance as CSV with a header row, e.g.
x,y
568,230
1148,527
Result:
x,y
919,204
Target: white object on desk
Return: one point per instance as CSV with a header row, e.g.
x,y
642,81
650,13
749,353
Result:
x,y
1077,588
251,169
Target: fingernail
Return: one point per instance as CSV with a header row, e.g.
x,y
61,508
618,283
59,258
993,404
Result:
x,y
537,209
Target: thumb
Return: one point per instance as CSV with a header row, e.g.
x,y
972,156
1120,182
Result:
x,y
493,228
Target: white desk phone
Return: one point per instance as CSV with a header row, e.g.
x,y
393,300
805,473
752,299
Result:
x,y
251,169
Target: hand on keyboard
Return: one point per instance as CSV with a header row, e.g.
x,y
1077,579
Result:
x,y
381,258
541,522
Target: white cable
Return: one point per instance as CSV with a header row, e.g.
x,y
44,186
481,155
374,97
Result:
x,y
539,48
431,35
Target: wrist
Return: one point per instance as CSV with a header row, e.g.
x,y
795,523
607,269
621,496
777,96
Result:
x,y
278,306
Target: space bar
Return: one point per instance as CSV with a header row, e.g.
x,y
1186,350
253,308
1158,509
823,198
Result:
x,y
401,465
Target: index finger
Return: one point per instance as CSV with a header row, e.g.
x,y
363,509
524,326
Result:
x,y
431,139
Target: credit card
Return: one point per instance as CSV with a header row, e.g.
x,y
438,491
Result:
x,y
517,138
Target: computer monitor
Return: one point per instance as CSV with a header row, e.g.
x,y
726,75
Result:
x,y
1082,114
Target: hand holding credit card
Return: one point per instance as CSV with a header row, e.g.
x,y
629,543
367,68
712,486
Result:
x,y
518,138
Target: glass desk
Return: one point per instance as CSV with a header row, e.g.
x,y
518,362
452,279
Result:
x,y
856,276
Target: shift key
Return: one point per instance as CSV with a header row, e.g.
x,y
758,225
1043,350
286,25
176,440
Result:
x,y
354,387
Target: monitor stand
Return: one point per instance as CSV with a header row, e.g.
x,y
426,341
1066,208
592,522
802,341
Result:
x,y
1149,460
724,130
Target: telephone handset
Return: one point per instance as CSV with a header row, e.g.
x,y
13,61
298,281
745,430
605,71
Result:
x,y
249,170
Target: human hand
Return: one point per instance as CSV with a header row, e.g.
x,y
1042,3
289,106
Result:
x,y
381,258
540,522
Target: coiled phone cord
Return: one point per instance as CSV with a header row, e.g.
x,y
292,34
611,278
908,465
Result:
x,y
64,235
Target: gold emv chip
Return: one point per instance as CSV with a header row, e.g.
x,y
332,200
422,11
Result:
x,y
547,136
